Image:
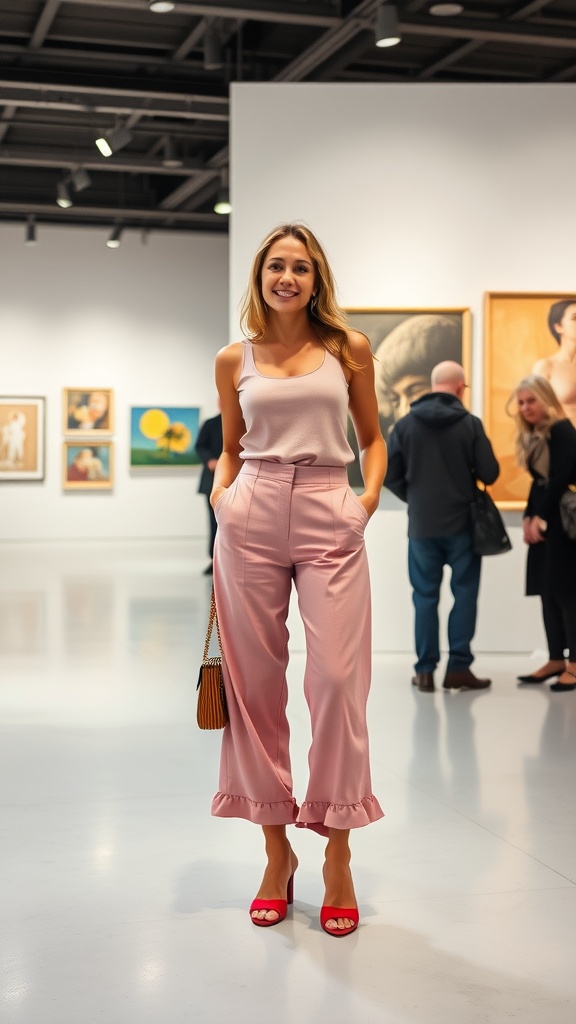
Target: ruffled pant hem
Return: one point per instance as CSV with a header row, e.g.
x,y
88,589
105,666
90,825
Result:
x,y
282,812
320,816
317,816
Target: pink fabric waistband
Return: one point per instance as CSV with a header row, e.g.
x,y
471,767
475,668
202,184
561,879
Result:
x,y
295,475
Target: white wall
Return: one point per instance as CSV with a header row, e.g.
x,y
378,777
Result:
x,y
143,319
423,195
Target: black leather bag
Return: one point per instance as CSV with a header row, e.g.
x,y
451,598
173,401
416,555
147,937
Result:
x,y
488,531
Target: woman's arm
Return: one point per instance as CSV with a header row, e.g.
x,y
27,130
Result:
x,y
364,412
562,445
228,366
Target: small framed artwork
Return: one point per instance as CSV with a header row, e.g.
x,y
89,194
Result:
x,y
22,438
163,436
88,467
407,344
525,333
89,411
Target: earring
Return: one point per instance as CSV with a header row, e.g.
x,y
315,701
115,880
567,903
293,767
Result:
x,y
313,302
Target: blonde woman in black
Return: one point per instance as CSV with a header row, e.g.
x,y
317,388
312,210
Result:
x,y
546,447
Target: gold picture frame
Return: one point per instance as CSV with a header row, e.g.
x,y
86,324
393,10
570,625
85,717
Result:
x,y
88,412
417,338
518,341
88,466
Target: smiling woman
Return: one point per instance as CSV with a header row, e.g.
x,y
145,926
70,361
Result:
x,y
286,513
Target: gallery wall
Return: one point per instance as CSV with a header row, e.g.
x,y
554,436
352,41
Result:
x,y
424,196
146,320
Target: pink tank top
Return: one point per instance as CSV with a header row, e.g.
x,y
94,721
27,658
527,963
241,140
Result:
x,y
299,420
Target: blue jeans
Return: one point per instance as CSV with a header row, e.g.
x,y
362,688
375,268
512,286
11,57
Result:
x,y
426,560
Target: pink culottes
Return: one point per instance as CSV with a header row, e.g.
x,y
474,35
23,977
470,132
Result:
x,y
278,523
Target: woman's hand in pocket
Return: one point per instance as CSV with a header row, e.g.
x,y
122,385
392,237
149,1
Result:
x,y
216,494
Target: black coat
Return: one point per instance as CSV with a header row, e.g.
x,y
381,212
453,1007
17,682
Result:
x,y
209,446
551,565
434,453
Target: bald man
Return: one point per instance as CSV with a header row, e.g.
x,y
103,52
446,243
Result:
x,y
434,454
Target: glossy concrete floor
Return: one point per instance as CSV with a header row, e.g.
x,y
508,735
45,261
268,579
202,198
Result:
x,y
124,901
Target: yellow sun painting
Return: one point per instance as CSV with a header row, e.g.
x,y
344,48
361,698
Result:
x,y
164,436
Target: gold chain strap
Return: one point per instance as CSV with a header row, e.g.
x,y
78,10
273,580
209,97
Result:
x,y
212,619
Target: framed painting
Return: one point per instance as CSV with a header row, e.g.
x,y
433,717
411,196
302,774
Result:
x,y
88,411
163,436
22,438
407,344
525,333
88,467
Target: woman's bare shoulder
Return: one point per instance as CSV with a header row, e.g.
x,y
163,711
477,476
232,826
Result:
x,y
230,356
359,344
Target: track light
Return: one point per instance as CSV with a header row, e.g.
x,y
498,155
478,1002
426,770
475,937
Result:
x,y
63,197
222,202
80,179
387,25
114,240
161,6
212,50
30,232
170,157
114,140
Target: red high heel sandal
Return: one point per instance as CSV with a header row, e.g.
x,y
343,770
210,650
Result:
x,y
333,913
280,906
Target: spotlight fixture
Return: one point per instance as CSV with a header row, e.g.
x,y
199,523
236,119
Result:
x,y
30,232
80,179
222,202
446,10
63,197
213,59
387,25
114,240
170,157
161,6
112,141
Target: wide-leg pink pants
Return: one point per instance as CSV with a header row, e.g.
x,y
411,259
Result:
x,y
278,523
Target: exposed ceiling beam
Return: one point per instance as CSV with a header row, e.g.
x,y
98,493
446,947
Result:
x,y
345,56
328,44
563,74
450,58
492,33
73,122
98,99
193,187
70,158
525,10
191,41
128,215
43,24
288,15
7,116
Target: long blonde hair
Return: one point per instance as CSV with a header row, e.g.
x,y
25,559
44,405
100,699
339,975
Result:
x,y
544,392
327,319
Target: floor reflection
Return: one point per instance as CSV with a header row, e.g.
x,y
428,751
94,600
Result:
x,y
22,623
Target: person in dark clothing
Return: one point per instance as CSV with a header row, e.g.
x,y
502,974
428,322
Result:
x,y
208,450
546,447
435,452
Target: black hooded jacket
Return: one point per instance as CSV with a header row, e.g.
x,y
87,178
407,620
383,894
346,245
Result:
x,y
434,453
